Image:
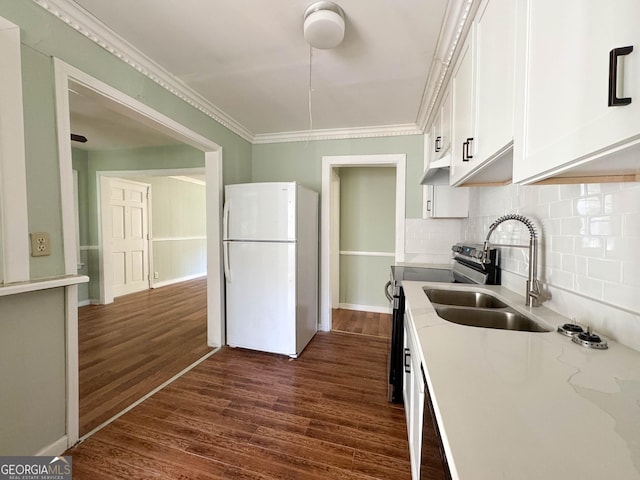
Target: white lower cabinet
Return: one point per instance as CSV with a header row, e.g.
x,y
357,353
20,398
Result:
x,y
413,393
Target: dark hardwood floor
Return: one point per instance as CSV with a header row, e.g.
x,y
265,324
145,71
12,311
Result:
x,y
130,347
365,323
250,415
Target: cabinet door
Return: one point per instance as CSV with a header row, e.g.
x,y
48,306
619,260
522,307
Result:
x,y
495,48
447,202
417,403
407,384
462,108
436,137
445,122
565,117
413,400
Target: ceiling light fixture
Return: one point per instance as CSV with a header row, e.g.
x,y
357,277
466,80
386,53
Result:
x,y
323,25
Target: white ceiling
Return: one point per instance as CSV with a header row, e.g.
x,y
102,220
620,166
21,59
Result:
x,y
106,125
249,58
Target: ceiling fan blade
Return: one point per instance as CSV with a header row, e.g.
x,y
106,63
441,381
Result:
x,y
78,138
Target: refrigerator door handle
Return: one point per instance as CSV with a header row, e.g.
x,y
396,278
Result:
x,y
225,261
225,220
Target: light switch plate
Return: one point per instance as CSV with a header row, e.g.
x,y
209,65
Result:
x,y
40,245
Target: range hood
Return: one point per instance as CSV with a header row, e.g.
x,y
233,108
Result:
x,y
437,173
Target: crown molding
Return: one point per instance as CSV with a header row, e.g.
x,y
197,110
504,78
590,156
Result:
x,y
89,26
456,24
338,134
93,29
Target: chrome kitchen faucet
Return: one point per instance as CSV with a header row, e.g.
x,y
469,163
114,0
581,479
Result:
x,y
533,292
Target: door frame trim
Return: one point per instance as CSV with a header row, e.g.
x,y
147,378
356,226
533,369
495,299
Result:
x,y
328,251
64,73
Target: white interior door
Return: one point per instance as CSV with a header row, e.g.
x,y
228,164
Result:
x,y
127,228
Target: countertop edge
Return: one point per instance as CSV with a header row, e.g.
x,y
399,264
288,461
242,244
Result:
x,y
618,363
42,284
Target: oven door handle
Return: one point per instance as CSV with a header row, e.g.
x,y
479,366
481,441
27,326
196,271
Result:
x,y
386,291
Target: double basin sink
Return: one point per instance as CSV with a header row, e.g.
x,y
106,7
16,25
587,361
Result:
x,y
479,309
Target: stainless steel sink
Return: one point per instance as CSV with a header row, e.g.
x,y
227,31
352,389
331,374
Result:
x,y
501,319
479,309
463,298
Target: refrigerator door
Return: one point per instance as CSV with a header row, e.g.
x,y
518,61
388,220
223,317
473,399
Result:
x,y
261,296
260,211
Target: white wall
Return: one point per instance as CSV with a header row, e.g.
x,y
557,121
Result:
x,y
429,240
589,247
589,257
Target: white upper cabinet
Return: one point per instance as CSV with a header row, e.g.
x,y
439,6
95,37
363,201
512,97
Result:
x,y
440,132
435,147
483,89
445,123
442,201
495,50
462,121
578,89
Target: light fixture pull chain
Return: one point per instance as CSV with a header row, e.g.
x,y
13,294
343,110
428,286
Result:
x,y
310,91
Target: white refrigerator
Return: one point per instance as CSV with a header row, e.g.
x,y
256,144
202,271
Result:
x,y
270,242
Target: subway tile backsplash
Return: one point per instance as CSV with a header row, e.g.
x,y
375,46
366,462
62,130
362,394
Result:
x,y
430,240
589,246
589,235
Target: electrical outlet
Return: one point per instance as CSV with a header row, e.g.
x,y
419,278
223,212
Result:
x,y
156,275
40,245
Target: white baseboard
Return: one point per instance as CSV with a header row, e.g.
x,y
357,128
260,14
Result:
x,y
55,449
365,308
91,301
178,280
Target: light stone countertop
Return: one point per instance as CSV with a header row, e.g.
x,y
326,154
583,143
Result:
x,y
520,405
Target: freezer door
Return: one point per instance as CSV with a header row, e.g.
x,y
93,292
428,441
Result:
x,y
260,211
261,296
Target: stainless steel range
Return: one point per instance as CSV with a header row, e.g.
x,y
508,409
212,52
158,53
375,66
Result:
x,y
468,267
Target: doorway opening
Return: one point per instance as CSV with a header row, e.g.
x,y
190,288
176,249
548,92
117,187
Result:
x,y
139,339
373,256
70,79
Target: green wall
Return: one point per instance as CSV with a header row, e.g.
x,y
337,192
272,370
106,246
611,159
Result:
x,y
44,37
32,411
32,371
362,278
147,158
367,209
178,211
39,418
367,224
302,162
